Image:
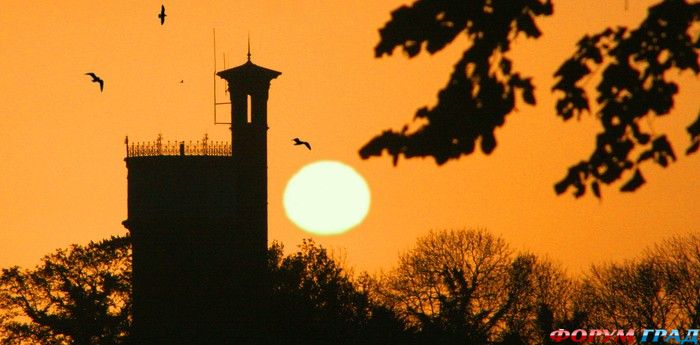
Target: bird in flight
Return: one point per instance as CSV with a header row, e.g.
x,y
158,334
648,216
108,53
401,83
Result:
x,y
96,79
162,14
297,141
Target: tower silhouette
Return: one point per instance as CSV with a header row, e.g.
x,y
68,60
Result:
x,y
197,215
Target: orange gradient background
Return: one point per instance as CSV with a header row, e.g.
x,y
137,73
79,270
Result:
x,y
63,178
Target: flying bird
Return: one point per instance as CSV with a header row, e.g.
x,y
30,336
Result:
x,y
96,79
162,14
297,141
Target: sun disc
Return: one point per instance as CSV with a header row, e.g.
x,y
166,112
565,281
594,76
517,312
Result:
x,y
326,198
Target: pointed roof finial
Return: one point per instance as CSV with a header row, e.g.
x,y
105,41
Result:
x,y
249,46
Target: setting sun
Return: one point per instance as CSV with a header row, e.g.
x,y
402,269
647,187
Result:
x,y
326,198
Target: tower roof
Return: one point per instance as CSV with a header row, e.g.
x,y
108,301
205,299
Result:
x,y
248,71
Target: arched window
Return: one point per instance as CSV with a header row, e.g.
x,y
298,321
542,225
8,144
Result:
x,y
249,111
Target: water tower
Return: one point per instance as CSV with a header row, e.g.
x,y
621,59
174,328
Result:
x,y
197,215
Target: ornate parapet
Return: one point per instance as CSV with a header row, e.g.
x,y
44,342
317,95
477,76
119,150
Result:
x,y
160,147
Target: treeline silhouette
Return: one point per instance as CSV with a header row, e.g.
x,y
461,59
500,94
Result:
x,y
453,287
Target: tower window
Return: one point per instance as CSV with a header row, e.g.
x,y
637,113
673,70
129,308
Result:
x,y
249,112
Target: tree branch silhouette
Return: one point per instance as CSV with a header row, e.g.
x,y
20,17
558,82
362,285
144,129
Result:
x,y
482,88
633,87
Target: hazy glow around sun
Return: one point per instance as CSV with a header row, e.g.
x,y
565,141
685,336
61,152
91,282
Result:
x,y
326,198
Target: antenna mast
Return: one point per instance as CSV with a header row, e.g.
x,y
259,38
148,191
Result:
x,y
214,75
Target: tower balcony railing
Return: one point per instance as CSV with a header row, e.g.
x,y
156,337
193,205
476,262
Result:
x,y
160,147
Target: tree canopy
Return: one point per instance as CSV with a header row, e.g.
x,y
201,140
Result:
x,y
660,289
316,300
481,91
468,287
80,295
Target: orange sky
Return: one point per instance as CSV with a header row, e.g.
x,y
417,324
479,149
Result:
x,y
64,178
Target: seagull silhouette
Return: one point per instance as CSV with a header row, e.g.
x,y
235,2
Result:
x,y
297,141
96,79
162,14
